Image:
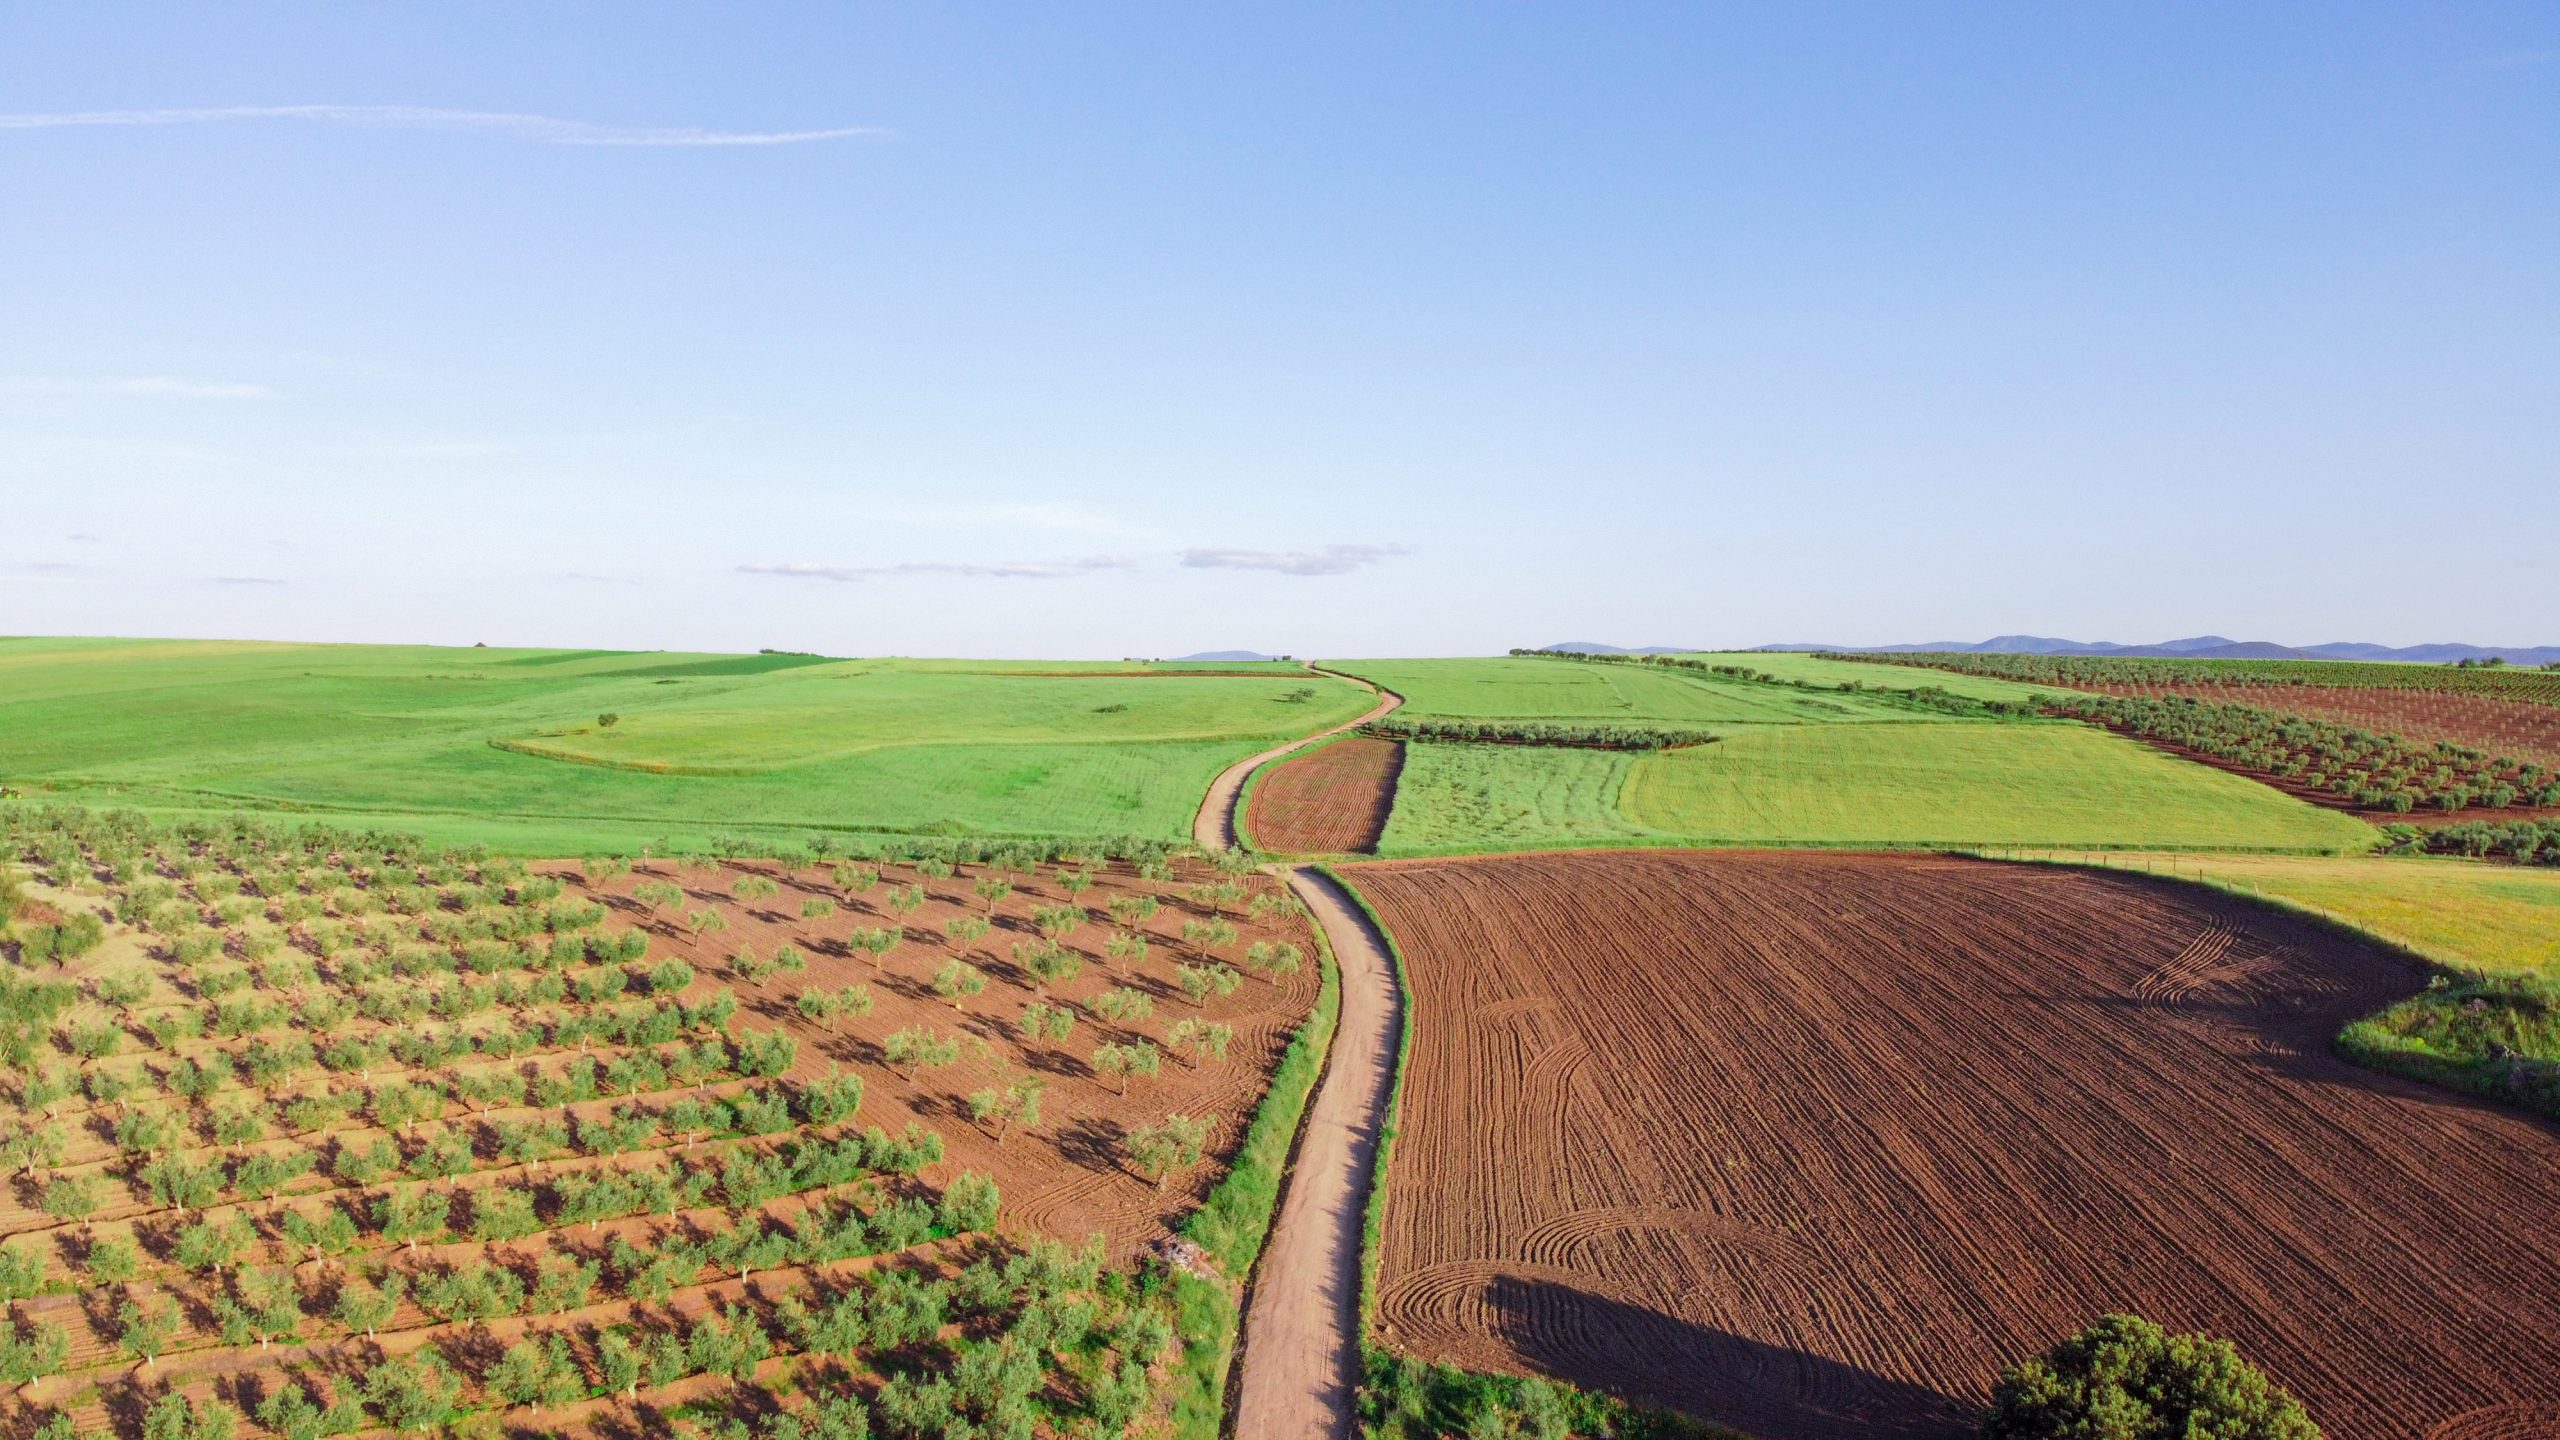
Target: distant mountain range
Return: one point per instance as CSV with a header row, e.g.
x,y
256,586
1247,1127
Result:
x,y
1222,657
2194,647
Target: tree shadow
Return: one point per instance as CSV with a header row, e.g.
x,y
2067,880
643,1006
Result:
x,y
1773,1392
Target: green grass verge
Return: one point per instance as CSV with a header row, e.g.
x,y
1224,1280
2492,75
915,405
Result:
x,y
510,748
1235,1221
1204,1312
1406,1399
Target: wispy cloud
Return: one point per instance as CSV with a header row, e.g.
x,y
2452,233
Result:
x,y
173,386
1010,570
1331,560
2514,59
243,580
46,570
85,538
546,129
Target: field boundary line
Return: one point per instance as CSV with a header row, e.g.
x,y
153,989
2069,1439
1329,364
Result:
x,y
1305,1322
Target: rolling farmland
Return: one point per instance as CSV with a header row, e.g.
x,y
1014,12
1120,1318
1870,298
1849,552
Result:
x,y
1812,1145
430,1133
509,746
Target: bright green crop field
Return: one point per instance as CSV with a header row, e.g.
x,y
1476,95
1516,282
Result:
x,y
1797,766
504,746
1529,688
1849,785
1956,784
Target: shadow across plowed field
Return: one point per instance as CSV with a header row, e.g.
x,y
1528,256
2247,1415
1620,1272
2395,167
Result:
x,y
1813,1144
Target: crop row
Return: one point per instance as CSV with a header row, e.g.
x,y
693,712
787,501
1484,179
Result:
x,y
2496,681
1533,732
2364,768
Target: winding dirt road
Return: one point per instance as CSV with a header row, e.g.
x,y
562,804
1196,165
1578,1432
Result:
x,y
1215,826
1300,1362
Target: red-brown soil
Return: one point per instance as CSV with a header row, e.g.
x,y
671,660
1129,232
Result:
x,y
1066,1177
1812,1145
2519,729
1330,800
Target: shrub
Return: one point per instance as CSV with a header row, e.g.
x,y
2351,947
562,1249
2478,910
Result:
x,y
2125,1378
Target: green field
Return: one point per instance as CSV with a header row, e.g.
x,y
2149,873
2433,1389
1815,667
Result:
x,y
1846,785
504,746
1787,665
1528,688
1987,784
1798,766
1507,797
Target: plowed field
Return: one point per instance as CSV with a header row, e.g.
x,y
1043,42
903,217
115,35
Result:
x,y
1333,799
1812,1145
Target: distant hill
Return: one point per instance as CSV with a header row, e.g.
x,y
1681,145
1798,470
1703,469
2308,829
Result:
x,y
1591,647
2215,647
1226,657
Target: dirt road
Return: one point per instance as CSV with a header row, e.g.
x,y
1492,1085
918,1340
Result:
x,y
1301,1355
1215,827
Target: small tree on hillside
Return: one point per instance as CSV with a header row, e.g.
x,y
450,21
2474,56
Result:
x,y
1199,982
967,930
1169,1145
1047,1024
1008,1105
918,1049
957,980
1121,1062
1199,1040
2126,1376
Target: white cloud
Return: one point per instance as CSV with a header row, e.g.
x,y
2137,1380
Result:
x,y
547,129
1331,560
1010,570
165,385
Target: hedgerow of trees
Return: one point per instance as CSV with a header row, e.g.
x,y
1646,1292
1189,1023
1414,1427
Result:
x,y
1534,732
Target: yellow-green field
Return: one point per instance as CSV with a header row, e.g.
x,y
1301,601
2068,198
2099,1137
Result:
x,y
2491,918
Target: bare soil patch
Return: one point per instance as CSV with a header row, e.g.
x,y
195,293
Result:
x,y
1331,800
1811,1145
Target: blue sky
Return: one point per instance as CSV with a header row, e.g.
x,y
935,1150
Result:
x,y
1103,330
